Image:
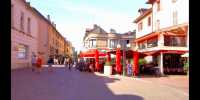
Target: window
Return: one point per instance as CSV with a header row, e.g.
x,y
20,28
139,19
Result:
x,y
149,21
113,43
152,42
29,25
102,43
127,41
140,26
174,41
22,21
142,45
158,6
22,51
92,43
175,18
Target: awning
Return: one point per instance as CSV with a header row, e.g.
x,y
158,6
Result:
x,y
91,53
185,55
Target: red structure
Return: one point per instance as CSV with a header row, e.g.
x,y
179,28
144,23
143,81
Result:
x,y
118,59
108,57
135,63
97,60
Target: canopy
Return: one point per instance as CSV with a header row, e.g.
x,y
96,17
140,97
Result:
x,y
185,55
91,53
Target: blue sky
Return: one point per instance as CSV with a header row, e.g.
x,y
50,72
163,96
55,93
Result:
x,y
72,17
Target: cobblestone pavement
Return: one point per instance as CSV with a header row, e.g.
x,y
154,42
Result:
x,y
62,84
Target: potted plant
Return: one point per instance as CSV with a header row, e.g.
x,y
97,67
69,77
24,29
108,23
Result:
x,y
186,68
141,63
108,68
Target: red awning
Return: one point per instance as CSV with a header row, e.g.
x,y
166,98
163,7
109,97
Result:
x,y
91,53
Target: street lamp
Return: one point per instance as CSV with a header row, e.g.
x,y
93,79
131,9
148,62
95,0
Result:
x,y
118,46
124,57
128,45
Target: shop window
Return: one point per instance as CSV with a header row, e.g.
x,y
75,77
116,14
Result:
x,y
22,51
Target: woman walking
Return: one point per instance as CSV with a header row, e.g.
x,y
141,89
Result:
x,y
39,64
129,68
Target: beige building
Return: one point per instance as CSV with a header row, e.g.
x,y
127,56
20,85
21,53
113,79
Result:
x,y
100,39
49,39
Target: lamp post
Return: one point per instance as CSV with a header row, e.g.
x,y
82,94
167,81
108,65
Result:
x,y
124,56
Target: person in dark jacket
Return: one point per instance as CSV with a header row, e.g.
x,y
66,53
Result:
x,y
50,63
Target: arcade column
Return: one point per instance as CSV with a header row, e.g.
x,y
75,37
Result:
x,y
135,63
97,60
118,58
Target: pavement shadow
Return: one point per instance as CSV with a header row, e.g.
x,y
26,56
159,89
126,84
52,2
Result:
x,y
64,85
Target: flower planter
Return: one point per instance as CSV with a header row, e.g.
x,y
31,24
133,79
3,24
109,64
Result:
x,y
108,70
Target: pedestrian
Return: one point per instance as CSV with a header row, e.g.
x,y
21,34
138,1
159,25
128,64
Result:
x,y
69,63
65,62
55,60
39,63
33,61
50,63
129,68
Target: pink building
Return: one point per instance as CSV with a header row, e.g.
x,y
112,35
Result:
x,y
43,35
24,31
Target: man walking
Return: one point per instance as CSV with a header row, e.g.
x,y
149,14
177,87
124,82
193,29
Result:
x,y
50,63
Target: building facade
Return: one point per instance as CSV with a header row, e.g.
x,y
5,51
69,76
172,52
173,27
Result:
x,y
162,33
24,33
97,38
32,33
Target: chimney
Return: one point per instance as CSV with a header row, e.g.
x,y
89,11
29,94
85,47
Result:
x,y
28,3
112,31
95,25
55,25
142,10
52,23
48,16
